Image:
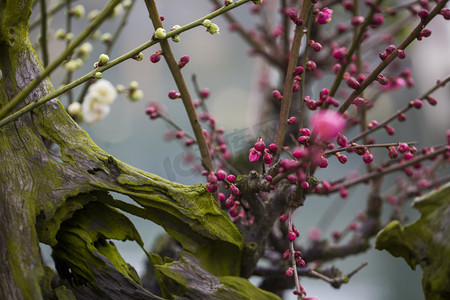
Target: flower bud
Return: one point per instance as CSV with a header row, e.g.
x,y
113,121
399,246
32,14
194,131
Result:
x,y
213,29
160,33
103,59
78,11
289,272
74,109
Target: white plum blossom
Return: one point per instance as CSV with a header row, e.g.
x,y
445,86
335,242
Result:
x,y
105,90
94,110
95,105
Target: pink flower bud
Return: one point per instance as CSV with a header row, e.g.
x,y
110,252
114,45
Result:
x,y
260,145
289,272
382,80
273,148
304,185
393,153
336,234
155,57
416,103
283,218
180,134
221,175
269,178
183,61
357,20
341,157
173,94
229,202
315,46
367,157
292,120
298,71
292,178
277,95
389,129
204,93
231,178
352,82
353,226
341,140
423,14
408,156
303,140
311,65
343,192
286,254
402,147
377,20
401,53
291,236
304,131
431,100
390,49
234,190
445,12
323,162
300,152
212,178
221,197
267,158
300,262
383,55
297,233
210,187
401,117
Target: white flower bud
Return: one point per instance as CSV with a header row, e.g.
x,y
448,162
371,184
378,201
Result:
x,y
69,36
213,29
78,11
160,33
136,95
103,59
133,85
74,108
207,23
71,65
60,34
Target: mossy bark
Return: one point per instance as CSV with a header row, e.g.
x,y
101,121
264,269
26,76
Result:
x,y
40,192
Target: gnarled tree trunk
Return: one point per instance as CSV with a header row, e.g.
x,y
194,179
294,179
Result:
x,y
55,199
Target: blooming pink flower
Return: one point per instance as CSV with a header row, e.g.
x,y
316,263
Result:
x,y
314,233
253,155
395,84
326,124
324,16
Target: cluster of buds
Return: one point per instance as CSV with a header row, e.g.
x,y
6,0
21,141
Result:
x,y
133,92
211,27
260,149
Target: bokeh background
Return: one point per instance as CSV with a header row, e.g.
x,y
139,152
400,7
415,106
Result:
x,y
222,63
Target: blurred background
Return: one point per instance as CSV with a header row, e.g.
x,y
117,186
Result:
x,y
222,64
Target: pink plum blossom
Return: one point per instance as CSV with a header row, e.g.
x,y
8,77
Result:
x,y
314,233
324,16
395,84
253,155
327,124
